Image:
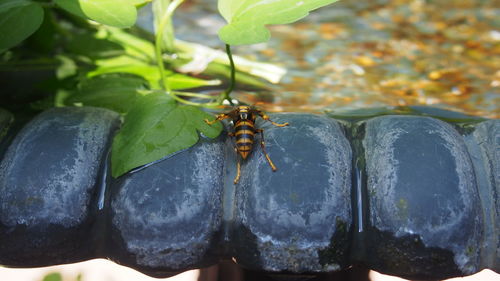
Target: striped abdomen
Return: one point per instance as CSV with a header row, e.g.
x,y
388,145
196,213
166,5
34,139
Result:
x,y
244,130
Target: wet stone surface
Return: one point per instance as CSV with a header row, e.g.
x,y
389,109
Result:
x,y
48,177
422,188
484,147
410,196
166,217
285,220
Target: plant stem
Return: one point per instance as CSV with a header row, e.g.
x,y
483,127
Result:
x,y
196,95
159,61
165,23
181,100
158,54
232,81
164,40
170,45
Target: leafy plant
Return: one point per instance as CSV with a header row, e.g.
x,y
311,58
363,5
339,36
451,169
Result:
x,y
157,125
119,13
247,19
99,63
12,30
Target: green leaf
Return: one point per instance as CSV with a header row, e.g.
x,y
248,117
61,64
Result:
x,y
117,93
127,64
156,127
18,20
247,18
8,4
139,2
179,81
118,13
44,40
88,45
134,46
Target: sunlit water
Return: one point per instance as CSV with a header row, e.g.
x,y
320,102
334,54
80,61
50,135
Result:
x,y
355,54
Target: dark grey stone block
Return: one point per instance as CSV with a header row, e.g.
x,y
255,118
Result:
x,y
166,217
424,207
298,218
484,147
413,197
48,177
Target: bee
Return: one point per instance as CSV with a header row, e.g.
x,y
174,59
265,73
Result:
x,y
243,118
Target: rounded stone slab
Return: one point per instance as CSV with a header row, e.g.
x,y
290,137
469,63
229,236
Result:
x,y
415,197
484,147
296,219
424,207
166,216
48,178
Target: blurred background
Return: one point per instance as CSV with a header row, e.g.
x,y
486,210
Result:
x,y
357,54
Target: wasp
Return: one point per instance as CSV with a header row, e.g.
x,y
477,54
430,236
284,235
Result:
x,y
243,118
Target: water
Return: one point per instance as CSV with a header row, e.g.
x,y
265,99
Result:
x,y
357,54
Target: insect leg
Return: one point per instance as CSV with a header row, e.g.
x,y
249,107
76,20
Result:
x,y
238,172
218,117
266,117
263,145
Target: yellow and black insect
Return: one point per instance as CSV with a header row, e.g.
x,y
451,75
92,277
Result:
x,y
243,117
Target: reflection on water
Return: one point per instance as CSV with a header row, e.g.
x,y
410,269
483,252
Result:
x,y
354,54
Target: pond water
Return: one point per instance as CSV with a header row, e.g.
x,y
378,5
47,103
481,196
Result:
x,y
356,54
